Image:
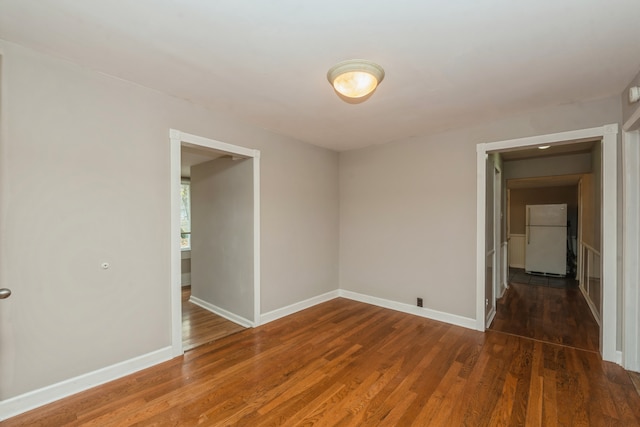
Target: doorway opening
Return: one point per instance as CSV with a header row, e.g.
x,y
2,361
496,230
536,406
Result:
x,y
606,265
226,248
544,299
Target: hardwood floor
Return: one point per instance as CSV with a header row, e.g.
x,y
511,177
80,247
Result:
x,y
518,275
200,326
635,378
351,364
555,315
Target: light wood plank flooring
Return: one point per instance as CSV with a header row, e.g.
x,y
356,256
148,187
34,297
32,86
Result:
x,y
345,363
200,326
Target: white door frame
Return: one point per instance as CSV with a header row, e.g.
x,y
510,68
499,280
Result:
x,y
630,244
178,139
608,136
497,232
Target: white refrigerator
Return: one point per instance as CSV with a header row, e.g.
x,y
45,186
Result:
x,y
546,239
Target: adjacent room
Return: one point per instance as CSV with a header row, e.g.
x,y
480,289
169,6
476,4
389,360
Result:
x,y
551,218
290,213
216,187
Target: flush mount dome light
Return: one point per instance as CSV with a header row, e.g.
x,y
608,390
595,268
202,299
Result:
x,y
355,78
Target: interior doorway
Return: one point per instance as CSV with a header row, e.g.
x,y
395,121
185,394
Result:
x,y
606,137
201,324
233,167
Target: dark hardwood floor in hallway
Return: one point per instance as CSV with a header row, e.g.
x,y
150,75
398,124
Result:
x,y
200,326
547,309
346,363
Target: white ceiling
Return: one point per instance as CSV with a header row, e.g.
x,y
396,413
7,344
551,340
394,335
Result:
x,y
447,63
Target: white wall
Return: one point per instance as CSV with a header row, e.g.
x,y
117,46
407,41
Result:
x,y
222,241
85,179
407,223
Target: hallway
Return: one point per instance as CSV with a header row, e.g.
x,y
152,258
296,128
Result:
x,y
548,309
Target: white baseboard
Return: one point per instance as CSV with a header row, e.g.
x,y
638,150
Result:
x,y
490,317
618,357
222,312
185,279
590,303
503,289
33,399
36,398
299,306
453,319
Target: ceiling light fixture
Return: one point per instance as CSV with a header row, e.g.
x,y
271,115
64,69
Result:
x,y
543,147
355,78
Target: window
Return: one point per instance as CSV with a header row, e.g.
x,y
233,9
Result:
x,y
185,216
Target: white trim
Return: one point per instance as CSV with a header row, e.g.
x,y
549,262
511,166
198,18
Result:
x,y
492,314
590,303
299,306
631,249
608,135
177,140
609,245
496,209
221,312
591,248
440,316
176,252
579,237
199,141
256,239
550,139
33,399
481,258
491,303
185,279
505,269
632,121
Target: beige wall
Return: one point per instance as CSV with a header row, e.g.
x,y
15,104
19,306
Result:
x,y
408,209
85,179
84,170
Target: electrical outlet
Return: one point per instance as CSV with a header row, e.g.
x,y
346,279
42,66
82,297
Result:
x,y
419,302
486,302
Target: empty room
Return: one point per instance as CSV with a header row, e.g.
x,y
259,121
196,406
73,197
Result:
x,y
357,224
